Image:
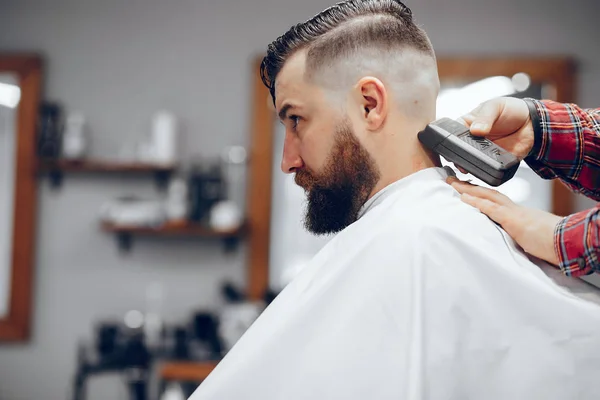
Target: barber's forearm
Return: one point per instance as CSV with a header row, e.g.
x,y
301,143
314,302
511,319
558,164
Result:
x,y
567,145
577,241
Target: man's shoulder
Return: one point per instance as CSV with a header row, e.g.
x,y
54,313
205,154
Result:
x,y
433,229
430,220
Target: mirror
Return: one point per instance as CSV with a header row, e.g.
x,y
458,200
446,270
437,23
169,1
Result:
x,y
291,246
279,244
10,95
20,85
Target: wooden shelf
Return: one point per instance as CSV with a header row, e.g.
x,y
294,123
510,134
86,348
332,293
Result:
x,y
102,166
172,229
57,168
125,233
187,371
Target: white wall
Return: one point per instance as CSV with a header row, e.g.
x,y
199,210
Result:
x,y
118,62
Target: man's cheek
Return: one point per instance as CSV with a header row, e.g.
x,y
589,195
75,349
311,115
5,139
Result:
x,y
314,155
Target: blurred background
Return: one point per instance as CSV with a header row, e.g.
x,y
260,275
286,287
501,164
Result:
x,y
162,226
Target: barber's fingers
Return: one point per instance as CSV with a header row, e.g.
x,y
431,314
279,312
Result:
x,y
464,120
482,118
497,212
481,192
461,169
490,202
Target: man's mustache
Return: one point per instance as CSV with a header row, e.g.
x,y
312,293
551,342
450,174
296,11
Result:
x,y
305,179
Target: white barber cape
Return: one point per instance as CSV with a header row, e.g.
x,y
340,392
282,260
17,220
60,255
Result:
x,y
422,298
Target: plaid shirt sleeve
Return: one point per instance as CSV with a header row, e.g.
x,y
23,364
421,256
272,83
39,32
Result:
x,y
567,146
577,243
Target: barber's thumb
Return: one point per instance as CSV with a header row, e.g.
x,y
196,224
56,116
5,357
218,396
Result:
x,y
483,117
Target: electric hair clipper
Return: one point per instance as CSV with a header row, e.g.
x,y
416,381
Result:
x,y
477,155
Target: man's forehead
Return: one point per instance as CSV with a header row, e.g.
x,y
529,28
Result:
x,y
290,80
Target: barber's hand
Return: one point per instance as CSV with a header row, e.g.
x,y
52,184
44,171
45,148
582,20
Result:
x,y
505,121
532,229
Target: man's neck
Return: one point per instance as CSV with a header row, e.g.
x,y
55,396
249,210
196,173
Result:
x,y
404,163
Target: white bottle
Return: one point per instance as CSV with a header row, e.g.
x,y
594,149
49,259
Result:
x,y
225,216
74,144
164,138
153,323
173,392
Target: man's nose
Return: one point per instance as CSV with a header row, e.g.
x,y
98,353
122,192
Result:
x,y
291,159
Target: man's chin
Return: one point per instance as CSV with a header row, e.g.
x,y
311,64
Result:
x,y
321,228
320,220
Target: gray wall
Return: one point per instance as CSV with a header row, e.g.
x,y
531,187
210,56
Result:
x,y
118,62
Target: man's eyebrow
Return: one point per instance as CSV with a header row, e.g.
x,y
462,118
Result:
x,y
283,112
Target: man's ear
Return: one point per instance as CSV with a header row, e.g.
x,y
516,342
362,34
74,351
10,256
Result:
x,y
374,102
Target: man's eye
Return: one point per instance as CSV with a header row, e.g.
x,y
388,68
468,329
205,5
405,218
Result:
x,y
295,120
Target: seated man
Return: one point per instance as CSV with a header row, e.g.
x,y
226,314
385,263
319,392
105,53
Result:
x,y
419,296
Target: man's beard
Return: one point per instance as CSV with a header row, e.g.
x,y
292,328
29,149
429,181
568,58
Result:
x,y
336,195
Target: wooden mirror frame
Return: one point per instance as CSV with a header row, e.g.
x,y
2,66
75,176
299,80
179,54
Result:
x,y
259,186
28,69
559,72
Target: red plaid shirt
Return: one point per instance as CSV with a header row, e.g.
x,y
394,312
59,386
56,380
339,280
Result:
x,y
567,146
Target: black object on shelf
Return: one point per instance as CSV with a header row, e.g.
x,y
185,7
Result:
x,y
124,241
106,340
231,293
206,188
180,348
49,131
117,349
205,329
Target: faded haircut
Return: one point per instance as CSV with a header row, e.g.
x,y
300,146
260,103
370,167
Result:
x,y
342,31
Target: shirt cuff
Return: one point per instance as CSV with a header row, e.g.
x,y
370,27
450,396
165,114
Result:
x,y
569,245
538,134
551,146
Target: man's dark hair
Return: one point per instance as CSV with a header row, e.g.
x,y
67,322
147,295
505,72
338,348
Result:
x,y
342,29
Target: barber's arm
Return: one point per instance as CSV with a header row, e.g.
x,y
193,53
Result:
x,y
566,145
558,141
